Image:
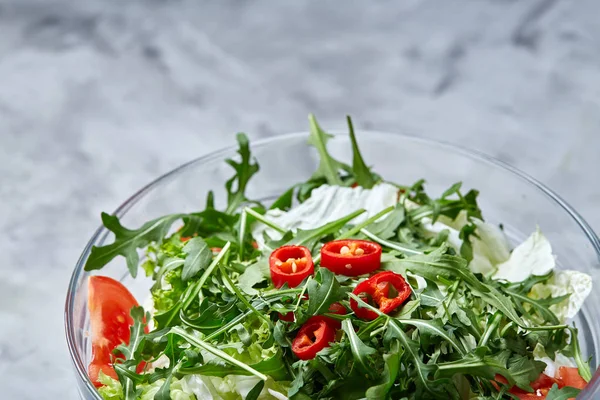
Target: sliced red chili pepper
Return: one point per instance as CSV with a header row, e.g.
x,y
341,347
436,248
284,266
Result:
x,y
351,257
291,265
314,336
385,290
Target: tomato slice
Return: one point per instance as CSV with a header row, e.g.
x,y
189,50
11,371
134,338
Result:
x,y
351,257
314,336
385,290
109,304
569,376
291,265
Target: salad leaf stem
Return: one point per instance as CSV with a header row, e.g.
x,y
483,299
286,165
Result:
x,y
243,299
264,220
219,353
197,288
387,243
582,366
496,318
357,228
242,233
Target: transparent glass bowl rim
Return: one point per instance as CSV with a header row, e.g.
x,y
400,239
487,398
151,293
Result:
x,y
101,232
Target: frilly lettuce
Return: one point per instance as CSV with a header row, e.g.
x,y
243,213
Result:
x,y
112,389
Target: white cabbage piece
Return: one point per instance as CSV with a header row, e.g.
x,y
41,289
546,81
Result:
x,y
575,283
232,387
326,204
532,257
490,248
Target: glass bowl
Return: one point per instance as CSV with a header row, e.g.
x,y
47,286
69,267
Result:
x,y
507,196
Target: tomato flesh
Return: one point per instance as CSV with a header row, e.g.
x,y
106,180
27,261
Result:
x,y
566,376
314,336
109,304
351,257
291,265
569,376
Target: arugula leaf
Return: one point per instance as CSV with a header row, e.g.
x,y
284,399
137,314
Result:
x,y
323,293
386,228
217,352
254,274
244,169
477,363
562,394
132,354
127,241
360,351
255,391
284,202
208,222
329,167
272,366
309,237
198,257
435,328
362,173
524,370
390,372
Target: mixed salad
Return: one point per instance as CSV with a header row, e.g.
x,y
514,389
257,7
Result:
x,y
347,286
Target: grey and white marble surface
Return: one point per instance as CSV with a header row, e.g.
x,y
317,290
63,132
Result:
x,y
99,97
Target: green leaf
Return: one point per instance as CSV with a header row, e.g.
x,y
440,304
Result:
x,y
244,170
132,354
388,227
309,237
272,366
362,173
360,351
328,166
562,394
198,257
255,273
477,364
127,241
255,391
434,328
438,264
524,370
323,294
390,372
284,202
208,222
216,352
164,393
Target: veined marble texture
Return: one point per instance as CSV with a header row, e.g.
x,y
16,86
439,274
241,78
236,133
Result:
x,y
99,97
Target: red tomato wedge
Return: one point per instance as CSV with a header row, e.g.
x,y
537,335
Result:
x,y
569,376
109,304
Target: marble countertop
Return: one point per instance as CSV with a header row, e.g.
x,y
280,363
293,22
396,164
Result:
x,y
99,97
